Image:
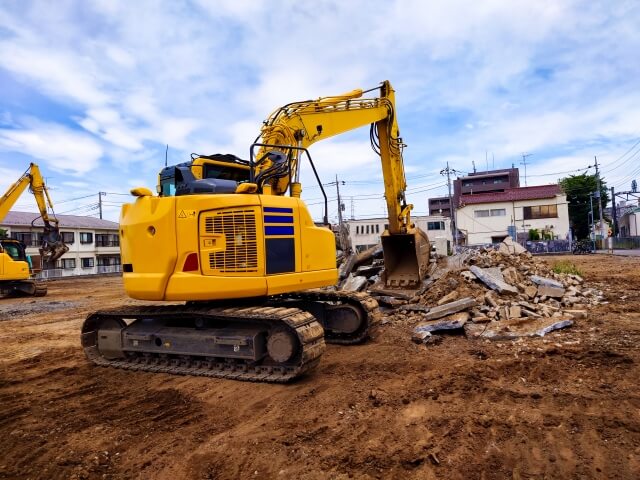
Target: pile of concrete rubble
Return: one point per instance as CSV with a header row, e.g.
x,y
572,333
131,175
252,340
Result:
x,y
497,293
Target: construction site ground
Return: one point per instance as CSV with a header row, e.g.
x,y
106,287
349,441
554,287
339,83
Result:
x,y
563,406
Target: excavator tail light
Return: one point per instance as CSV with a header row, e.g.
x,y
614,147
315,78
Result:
x,y
191,263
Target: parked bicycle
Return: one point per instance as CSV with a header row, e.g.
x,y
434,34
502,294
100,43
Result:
x,y
583,247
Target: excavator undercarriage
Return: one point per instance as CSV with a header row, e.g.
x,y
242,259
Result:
x,y
270,340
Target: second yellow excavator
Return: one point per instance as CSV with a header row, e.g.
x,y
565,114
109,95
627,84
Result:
x,y
15,274
234,240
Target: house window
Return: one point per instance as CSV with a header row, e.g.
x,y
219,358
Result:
x,y
377,228
68,238
498,212
30,239
86,237
435,225
481,213
386,226
540,211
68,263
107,240
87,262
367,229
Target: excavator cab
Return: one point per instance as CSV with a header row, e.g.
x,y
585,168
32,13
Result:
x,y
218,173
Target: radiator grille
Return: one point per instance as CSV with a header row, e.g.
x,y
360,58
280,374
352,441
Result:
x,y
239,229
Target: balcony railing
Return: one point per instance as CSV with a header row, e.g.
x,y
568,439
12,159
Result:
x,y
109,269
107,243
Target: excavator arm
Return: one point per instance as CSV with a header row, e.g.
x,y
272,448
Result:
x,y
52,247
300,124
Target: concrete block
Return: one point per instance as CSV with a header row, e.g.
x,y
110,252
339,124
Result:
x,y
492,281
546,281
452,322
549,291
449,308
450,297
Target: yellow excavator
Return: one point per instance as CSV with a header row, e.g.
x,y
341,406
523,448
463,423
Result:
x,y
234,241
15,274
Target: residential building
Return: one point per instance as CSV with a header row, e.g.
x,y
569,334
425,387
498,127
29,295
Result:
x,y
94,244
491,217
629,223
440,206
366,233
491,181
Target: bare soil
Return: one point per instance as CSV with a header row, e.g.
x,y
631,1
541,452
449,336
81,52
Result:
x,y
563,406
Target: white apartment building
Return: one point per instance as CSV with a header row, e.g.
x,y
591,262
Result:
x,y
366,233
94,244
491,217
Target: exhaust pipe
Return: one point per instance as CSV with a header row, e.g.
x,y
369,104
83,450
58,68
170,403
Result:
x,y
406,258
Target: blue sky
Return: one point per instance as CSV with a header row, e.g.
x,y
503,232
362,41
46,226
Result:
x,y
93,91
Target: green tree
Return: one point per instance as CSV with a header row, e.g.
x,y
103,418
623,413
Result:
x,y
577,188
3,233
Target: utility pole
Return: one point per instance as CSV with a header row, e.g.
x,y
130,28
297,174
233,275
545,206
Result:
x,y
454,228
599,197
592,228
524,162
100,202
340,206
614,213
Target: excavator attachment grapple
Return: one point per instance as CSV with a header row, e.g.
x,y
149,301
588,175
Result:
x,y
52,247
406,258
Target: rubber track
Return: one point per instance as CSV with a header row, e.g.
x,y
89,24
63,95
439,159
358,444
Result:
x,y
366,303
307,329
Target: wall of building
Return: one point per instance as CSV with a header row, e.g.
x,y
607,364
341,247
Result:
x,y
366,233
489,229
629,224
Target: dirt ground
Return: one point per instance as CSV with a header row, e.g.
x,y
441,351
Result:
x,y
563,406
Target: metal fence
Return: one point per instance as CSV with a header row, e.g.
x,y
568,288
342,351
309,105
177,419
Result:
x,y
548,246
626,242
63,272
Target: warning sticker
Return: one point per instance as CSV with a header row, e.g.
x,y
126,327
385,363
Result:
x,y
187,214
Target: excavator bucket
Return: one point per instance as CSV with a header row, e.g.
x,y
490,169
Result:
x,y
406,258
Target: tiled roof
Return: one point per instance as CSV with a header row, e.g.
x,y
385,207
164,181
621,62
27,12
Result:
x,y
512,194
15,219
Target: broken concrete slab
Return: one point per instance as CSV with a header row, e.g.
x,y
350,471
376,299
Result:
x,y
509,247
530,313
368,270
354,283
346,266
512,329
450,297
510,275
515,311
531,291
449,308
546,281
480,319
414,307
576,313
491,281
420,336
452,322
390,301
549,291
378,289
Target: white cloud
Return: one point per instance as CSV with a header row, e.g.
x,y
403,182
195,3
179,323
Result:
x,y
59,148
